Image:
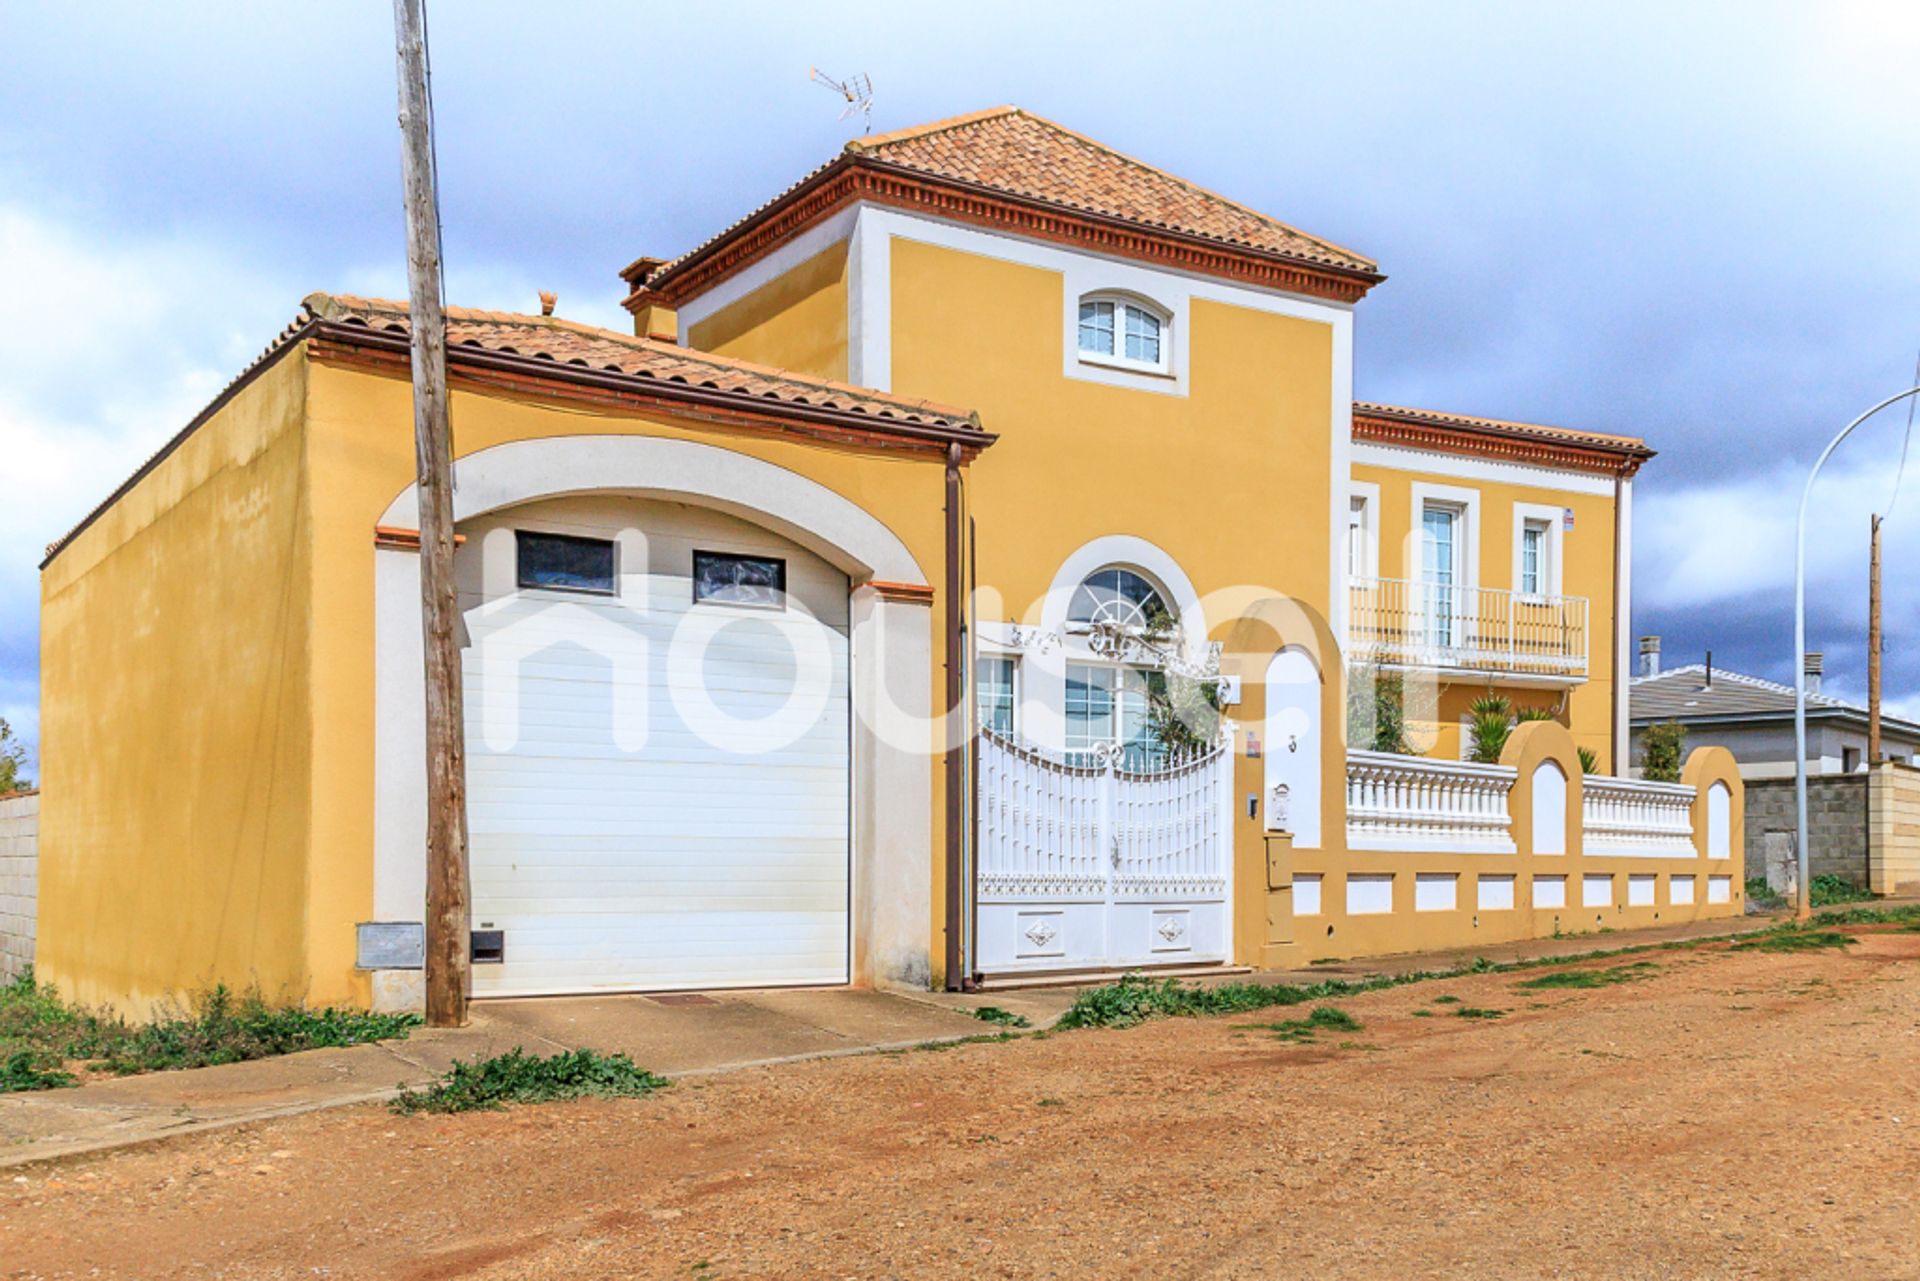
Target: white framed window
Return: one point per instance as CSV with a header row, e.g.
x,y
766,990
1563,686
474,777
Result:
x,y
1440,575
1538,532
1363,532
1533,557
1107,704
994,688
1124,331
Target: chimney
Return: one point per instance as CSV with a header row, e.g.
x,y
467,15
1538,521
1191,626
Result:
x,y
547,301
1815,664
1649,656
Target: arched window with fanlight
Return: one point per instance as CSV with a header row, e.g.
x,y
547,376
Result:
x,y
1124,331
1108,698
1118,597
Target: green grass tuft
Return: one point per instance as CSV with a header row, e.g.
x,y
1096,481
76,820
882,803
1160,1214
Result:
x,y
1324,1018
1793,940
1446,999
1006,1018
517,1077
1630,973
1475,1012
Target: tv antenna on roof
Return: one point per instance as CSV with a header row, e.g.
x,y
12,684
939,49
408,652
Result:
x,y
857,90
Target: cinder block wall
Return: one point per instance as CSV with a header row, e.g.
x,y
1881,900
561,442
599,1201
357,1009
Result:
x,y
1836,823
19,882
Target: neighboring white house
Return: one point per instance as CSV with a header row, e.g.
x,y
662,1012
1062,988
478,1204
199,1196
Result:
x,y
1753,718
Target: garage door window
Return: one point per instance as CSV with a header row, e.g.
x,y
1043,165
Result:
x,y
565,562
724,578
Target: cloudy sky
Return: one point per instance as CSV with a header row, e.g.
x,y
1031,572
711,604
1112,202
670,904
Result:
x,y
1691,222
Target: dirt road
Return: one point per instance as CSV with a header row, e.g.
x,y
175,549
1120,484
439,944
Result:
x,y
1725,1114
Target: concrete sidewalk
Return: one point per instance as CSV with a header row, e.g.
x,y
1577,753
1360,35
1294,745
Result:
x,y
675,1034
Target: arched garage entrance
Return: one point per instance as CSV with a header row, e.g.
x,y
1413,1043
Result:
x,y
659,749
635,824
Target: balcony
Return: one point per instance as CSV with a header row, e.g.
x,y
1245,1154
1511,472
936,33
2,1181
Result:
x,y
1483,630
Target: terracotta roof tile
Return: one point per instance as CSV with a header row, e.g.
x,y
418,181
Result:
x,y
572,343
566,342
1015,151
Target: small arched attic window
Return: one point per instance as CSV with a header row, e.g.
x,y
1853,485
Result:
x,y
1122,330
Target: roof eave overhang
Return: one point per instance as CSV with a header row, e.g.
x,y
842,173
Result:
x,y
858,177
516,373
510,373
1851,715
1500,443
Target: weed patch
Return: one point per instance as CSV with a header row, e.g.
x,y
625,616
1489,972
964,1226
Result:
x,y
518,1077
1793,940
40,1034
1136,998
1476,1012
25,1070
1005,1018
1324,1018
1629,973
1902,914
1829,889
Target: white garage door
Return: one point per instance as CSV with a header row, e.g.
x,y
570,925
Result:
x,y
657,787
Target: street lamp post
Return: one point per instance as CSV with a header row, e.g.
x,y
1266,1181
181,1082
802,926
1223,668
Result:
x,y
1803,906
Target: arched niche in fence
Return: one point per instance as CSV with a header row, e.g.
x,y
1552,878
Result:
x,y
1546,801
1549,808
1719,808
1293,691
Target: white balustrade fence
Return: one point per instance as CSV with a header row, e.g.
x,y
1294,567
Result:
x,y
1057,830
1416,803
1624,816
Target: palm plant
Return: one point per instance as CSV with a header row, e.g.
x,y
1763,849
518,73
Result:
x,y
1492,724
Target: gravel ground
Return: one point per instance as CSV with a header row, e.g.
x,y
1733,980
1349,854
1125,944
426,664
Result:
x,y
1729,1114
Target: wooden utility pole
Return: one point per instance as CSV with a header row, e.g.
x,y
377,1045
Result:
x,y
1873,647
449,939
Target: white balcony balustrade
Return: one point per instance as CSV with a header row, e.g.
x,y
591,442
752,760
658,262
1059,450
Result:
x,y
1635,818
1482,629
1415,803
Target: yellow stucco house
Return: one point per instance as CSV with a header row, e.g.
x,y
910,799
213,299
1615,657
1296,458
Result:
x,y
980,416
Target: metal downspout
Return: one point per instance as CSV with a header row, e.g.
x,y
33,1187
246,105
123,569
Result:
x,y
956,744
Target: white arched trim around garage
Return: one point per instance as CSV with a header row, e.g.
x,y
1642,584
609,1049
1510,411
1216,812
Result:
x,y
786,502
891,643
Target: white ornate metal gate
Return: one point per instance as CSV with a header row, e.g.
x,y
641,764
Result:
x,y
1085,863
